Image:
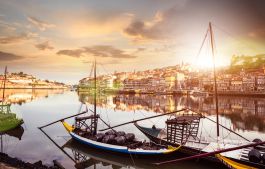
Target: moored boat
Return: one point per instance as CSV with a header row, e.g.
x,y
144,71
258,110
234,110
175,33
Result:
x,y
85,130
129,147
8,120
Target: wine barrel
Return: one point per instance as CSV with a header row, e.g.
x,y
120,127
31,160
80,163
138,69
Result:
x,y
254,156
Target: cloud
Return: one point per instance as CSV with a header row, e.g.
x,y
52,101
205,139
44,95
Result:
x,y
139,30
7,26
103,51
104,62
160,27
9,56
17,38
44,45
41,25
73,53
258,33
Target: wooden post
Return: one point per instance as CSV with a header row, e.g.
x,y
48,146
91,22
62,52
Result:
x,y
215,84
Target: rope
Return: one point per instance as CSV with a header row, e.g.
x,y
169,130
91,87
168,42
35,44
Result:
x,y
107,72
92,68
145,116
205,36
132,160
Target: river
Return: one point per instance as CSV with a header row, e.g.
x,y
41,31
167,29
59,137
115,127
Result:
x,y
244,115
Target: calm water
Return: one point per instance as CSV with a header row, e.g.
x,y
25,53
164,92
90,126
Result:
x,y
39,107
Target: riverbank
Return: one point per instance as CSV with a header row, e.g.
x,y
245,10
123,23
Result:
x,y
187,92
5,166
65,88
7,162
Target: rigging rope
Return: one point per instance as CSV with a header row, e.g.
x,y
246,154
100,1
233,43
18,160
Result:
x,y
204,39
92,68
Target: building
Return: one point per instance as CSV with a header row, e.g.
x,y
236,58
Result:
x,y
236,84
260,82
248,83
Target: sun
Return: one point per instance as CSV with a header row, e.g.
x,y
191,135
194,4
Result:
x,y
204,62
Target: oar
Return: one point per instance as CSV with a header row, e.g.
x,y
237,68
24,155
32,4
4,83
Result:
x,y
62,119
210,153
141,120
57,145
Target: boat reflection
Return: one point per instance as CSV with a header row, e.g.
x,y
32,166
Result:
x,y
21,96
14,133
245,113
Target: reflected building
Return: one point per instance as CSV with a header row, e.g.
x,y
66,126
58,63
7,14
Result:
x,y
20,96
245,113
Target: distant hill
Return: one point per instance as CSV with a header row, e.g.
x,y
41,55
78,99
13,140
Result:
x,y
23,80
246,62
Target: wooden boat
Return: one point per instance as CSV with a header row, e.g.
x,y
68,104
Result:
x,y
232,153
8,120
140,148
85,131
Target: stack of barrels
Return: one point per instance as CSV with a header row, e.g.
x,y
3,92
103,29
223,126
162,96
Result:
x,y
115,137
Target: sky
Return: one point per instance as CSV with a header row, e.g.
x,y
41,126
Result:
x,y
58,39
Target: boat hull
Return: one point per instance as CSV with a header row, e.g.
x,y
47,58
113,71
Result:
x,y
116,148
189,151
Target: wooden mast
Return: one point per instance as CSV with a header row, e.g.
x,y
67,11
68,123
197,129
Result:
x,y
95,88
215,84
3,96
95,96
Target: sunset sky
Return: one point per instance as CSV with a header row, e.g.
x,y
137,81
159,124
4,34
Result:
x,y
58,39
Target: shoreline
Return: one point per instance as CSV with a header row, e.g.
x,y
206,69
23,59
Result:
x,y
182,93
32,88
10,163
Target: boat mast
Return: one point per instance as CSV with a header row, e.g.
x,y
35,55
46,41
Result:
x,y
95,93
215,84
95,88
3,96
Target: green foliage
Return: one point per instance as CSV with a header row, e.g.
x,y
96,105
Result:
x,y
117,84
246,62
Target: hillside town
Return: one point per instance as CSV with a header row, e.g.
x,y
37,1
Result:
x,y
181,78
21,80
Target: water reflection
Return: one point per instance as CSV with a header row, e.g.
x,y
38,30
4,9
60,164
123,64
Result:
x,y
21,96
246,113
11,135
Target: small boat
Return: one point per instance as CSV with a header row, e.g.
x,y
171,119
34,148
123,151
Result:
x,y
8,120
85,131
132,147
